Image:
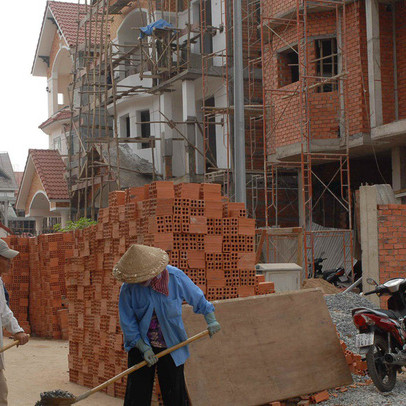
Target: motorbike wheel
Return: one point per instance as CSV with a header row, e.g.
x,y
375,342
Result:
x,y
382,374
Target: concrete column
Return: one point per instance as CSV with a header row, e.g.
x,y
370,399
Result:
x,y
369,238
165,106
222,160
301,209
6,205
374,61
53,94
64,217
39,225
189,115
398,168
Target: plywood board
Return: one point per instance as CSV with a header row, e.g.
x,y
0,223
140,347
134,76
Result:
x,y
270,348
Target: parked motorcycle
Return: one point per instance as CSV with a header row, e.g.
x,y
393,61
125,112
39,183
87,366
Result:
x,y
382,333
333,276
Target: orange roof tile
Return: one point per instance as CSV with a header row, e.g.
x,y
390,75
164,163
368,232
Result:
x,y
66,15
59,115
51,170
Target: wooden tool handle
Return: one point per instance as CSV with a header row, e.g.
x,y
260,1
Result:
x,y
6,347
140,365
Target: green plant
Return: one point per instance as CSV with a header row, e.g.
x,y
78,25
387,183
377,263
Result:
x,y
80,224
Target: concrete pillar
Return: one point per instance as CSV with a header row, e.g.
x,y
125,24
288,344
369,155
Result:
x,y
6,206
301,209
369,238
189,116
223,160
374,62
174,154
39,225
398,168
64,217
52,94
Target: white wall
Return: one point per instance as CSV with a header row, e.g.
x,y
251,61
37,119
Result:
x,y
132,107
218,18
58,140
171,103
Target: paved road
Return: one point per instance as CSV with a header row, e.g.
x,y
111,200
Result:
x,y
42,365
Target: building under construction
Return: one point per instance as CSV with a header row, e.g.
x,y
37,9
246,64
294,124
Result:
x,y
148,93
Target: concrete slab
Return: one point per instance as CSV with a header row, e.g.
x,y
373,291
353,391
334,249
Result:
x,y
270,348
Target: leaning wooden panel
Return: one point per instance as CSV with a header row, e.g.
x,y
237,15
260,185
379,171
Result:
x,y
270,348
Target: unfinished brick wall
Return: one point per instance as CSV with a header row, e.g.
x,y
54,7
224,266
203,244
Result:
x,y
277,8
283,117
386,63
392,241
401,56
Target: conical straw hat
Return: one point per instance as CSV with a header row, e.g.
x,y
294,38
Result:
x,y
140,263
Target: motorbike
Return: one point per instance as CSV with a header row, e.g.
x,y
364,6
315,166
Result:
x,y
382,333
333,276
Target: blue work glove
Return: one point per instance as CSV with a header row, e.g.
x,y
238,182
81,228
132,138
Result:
x,y
212,324
147,352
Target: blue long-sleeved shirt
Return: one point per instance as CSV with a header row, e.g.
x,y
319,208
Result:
x,y
137,303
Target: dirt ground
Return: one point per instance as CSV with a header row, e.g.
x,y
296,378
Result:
x,y
42,365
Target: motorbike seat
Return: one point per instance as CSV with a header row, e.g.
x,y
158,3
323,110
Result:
x,y
381,312
391,313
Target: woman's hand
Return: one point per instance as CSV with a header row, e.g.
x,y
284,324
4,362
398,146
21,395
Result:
x,y
212,324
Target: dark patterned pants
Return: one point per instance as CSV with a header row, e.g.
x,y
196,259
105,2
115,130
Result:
x,y
140,383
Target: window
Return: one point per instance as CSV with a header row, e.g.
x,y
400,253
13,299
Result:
x,y
57,144
181,5
125,127
288,64
60,98
145,127
326,62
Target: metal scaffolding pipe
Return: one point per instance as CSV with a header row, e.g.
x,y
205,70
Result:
x,y
239,124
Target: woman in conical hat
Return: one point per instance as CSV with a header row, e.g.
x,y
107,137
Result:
x,y
150,307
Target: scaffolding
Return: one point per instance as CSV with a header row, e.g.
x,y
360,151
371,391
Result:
x,y
217,60
291,31
100,64
274,186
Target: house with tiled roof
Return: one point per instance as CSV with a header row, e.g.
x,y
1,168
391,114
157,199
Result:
x,y
8,187
43,192
53,60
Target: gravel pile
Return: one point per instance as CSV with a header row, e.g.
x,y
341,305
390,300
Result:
x,y
370,396
340,306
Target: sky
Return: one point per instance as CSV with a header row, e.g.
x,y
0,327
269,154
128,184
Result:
x,y
23,105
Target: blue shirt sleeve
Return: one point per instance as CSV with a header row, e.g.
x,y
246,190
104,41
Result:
x,y
128,322
194,295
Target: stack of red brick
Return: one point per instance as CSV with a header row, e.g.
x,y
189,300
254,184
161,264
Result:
x,y
206,236
17,281
210,239
48,254
95,339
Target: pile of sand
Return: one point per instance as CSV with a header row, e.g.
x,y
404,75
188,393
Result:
x,y
326,287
